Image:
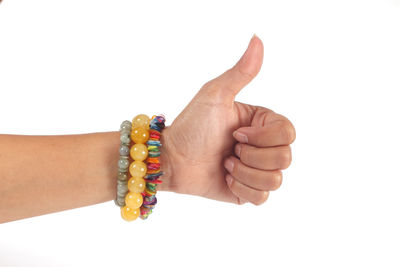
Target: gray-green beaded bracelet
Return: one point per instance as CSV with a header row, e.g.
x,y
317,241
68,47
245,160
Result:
x,y
123,163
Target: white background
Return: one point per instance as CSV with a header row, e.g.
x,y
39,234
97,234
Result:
x,y
332,67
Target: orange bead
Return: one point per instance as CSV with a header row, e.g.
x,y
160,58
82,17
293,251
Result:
x,y
138,169
133,200
129,214
136,184
139,135
141,120
139,152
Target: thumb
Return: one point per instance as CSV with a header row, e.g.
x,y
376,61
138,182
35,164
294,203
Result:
x,y
236,78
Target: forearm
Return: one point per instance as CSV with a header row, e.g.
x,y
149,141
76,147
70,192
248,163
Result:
x,y
44,174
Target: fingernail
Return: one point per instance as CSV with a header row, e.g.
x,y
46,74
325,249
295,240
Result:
x,y
238,148
229,165
229,180
242,138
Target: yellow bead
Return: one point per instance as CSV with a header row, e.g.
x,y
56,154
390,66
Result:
x,y
138,169
129,214
133,200
141,120
136,184
139,135
139,152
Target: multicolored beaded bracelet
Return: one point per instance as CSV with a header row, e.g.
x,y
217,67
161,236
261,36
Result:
x,y
154,173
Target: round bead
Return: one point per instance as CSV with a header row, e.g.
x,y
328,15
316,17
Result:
x,y
139,152
139,135
123,163
126,122
119,201
124,150
133,200
138,169
122,176
141,120
125,138
121,195
129,214
122,187
125,131
125,128
136,184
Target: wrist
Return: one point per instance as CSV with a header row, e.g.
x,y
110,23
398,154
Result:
x,y
165,159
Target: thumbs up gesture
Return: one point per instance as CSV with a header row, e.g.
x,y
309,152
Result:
x,y
223,149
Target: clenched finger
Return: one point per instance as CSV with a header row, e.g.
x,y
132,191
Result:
x,y
270,158
246,193
254,178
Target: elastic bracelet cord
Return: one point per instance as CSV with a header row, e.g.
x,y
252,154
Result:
x,y
154,173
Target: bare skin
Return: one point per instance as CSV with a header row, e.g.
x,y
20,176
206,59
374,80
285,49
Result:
x,y
216,148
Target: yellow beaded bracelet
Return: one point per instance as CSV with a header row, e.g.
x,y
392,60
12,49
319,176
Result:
x,y
137,169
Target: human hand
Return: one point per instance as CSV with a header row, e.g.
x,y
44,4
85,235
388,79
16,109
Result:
x,y
223,149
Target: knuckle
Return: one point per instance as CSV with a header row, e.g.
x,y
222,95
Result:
x,y
276,180
210,88
246,74
261,198
264,115
287,131
284,158
215,90
292,133
210,85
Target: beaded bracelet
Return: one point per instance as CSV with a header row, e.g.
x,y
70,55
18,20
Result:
x,y
154,173
123,163
135,192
